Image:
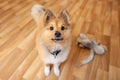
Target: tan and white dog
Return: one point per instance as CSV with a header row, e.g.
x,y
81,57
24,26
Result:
x,y
53,37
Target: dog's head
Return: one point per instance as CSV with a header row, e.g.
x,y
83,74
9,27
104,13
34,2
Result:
x,y
55,29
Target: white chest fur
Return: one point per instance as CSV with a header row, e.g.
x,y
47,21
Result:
x,y
61,57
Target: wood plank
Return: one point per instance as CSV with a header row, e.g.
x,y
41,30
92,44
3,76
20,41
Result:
x,y
99,19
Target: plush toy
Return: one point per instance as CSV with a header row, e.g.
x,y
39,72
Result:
x,y
95,47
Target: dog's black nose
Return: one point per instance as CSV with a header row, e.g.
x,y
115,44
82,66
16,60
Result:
x,y
57,34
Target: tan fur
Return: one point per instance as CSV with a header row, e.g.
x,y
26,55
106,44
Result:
x,y
44,36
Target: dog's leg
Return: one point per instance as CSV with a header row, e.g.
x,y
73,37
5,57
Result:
x,y
47,70
56,69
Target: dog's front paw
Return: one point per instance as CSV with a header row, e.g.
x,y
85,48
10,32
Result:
x,y
47,70
57,71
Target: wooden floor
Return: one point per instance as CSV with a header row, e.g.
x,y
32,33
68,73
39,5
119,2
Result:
x,y
99,19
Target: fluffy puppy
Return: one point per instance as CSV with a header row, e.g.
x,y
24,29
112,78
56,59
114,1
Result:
x,y
53,37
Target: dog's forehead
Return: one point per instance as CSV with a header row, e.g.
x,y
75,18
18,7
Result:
x,y
57,22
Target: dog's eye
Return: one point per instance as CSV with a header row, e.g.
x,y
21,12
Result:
x,y
51,28
62,28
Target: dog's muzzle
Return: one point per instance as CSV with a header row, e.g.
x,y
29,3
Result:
x,y
57,36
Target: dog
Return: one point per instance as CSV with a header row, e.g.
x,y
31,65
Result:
x,y
53,37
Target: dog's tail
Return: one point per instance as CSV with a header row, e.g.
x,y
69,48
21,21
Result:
x,y
89,59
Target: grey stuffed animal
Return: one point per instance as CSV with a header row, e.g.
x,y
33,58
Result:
x,y
95,47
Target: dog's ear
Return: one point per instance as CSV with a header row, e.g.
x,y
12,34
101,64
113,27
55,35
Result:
x,y
36,12
64,14
49,15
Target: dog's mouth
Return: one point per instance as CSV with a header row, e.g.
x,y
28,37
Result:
x,y
57,39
